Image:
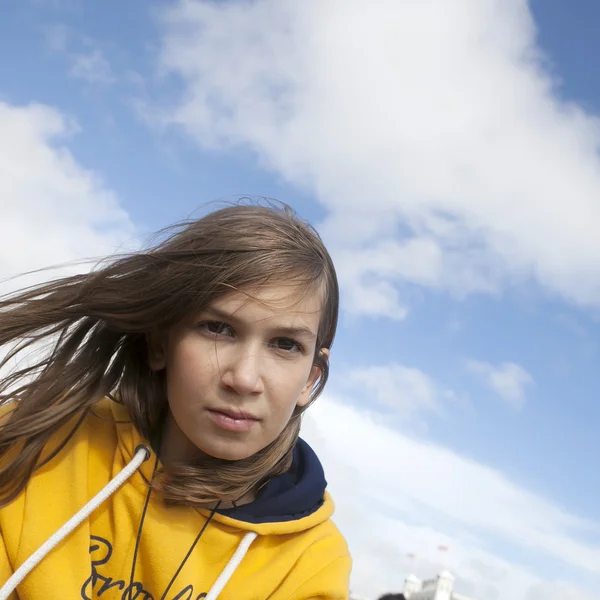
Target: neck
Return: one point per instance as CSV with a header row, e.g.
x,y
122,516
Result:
x,y
175,448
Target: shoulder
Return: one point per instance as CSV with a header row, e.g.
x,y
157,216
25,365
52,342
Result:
x,y
332,549
329,538
93,428
88,431
75,461
76,457
323,570
87,441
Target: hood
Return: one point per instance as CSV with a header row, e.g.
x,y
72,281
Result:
x,y
288,497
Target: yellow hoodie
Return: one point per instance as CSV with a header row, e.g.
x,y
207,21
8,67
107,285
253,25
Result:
x,y
282,546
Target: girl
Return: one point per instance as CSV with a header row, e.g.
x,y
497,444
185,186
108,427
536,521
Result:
x,y
154,452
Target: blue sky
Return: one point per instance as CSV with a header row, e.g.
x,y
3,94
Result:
x,y
453,170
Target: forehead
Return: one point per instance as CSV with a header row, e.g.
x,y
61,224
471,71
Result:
x,y
283,304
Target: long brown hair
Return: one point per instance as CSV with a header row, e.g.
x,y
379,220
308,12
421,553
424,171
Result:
x,y
98,324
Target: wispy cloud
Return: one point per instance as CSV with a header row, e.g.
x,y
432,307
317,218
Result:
x,y
398,496
405,391
57,35
91,66
508,380
86,59
430,131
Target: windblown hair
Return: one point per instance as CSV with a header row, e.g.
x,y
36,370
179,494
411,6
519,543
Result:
x,y
98,325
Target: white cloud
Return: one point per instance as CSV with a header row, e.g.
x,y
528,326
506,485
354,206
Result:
x,y
431,127
53,209
405,390
91,66
396,495
367,275
557,591
508,380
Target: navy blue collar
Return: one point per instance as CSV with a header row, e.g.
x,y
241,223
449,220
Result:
x,y
290,496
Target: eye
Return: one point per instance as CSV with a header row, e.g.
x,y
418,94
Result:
x,y
287,345
217,328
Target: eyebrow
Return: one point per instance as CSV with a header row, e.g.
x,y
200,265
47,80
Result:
x,y
301,331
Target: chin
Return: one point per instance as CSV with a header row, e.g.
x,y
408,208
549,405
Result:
x,y
233,456
228,450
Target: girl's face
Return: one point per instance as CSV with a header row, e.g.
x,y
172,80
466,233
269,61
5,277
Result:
x,y
236,371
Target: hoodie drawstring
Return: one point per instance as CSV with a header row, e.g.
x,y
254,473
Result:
x,y
142,453
231,566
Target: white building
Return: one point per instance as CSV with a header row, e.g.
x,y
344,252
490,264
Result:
x,y
438,588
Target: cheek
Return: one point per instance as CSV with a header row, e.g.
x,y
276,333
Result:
x,y
189,364
291,383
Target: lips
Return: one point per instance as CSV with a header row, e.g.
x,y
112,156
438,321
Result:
x,y
237,415
233,421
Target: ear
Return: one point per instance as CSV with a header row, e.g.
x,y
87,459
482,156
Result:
x,y
157,354
315,373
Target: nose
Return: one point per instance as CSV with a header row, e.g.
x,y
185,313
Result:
x,y
242,372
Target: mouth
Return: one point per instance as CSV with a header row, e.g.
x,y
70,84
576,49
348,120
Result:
x,y
236,415
234,421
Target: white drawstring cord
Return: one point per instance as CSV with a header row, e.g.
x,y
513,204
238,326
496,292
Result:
x,y
142,453
232,565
